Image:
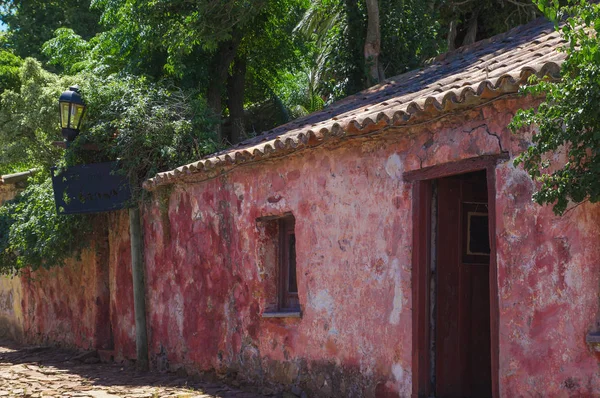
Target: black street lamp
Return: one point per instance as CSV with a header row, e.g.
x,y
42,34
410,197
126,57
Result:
x,y
72,109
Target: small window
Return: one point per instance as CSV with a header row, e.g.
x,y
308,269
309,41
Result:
x,y
276,256
288,285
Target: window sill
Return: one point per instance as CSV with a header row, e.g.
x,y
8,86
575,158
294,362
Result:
x,y
282,314
593,338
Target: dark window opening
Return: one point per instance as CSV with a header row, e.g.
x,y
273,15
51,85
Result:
x,y
288,296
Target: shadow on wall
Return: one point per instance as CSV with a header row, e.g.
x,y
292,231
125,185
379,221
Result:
x,y
300,377
9,329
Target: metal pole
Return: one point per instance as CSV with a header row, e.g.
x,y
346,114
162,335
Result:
x,y
139,293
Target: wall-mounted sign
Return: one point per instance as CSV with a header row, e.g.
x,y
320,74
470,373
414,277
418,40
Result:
x,y
90,188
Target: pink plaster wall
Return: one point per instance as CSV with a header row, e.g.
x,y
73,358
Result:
x,y
68,305
209,277
210,271
122,318
549,280
86,304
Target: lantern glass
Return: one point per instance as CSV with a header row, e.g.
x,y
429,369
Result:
x,y
71,115
76,115
64,115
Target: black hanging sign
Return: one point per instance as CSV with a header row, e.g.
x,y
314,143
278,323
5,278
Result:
x,y
90,188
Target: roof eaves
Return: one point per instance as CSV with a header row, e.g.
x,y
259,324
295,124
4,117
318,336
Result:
x,y
418,111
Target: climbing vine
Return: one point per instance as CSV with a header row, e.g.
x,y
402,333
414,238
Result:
x,y
568,120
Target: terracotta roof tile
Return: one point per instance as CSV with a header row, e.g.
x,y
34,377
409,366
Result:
x,y
459,79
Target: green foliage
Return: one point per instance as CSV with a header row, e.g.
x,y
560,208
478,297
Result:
x,y
68,50
410,34
568,120
32,22
142,30
32,234
150,127
29,118
9,70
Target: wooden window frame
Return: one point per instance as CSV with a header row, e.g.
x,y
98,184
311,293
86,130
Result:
x,y
283,303
288,300
421,203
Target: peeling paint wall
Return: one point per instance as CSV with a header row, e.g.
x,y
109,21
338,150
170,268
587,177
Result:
x,y
549,278
11,313
211,271
122,316
68,305
208,275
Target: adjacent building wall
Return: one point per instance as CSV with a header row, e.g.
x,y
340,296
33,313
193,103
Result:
x,y
68,305
11,311
86,304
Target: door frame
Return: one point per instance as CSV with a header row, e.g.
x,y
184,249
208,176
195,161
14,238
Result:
x,y
421,260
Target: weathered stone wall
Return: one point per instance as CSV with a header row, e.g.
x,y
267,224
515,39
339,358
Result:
x,y
208,282
69,305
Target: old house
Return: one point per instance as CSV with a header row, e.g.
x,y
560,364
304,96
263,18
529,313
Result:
x,y
385,246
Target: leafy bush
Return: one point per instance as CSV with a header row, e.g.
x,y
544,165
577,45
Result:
x,y
9,70
32,234
568,119
149,127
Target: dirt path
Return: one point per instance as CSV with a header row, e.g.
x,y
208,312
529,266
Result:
x,y
51,372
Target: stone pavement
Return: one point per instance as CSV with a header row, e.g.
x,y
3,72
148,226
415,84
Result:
x,y
53,372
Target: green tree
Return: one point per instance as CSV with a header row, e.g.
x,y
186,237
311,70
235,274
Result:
x,y
9,70
467,21
29,119
32,22
208,45
568,121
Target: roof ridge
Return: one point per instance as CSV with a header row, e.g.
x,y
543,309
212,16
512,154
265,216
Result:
x,y
493,39
471,76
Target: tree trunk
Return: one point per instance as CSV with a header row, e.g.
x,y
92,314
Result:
x,y
235,98
219,70
356,61
451,39
471,35
373,43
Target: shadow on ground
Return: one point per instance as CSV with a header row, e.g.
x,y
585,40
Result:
x,y
41,371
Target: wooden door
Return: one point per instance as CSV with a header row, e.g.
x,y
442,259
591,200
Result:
x,y
462,337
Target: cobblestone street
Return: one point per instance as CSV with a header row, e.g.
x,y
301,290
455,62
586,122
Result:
x,y
52,372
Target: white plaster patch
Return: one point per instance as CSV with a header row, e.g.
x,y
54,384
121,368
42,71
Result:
x,y
323,301
398,296
177,310
398,372
403,380
573,276
238,188
394,167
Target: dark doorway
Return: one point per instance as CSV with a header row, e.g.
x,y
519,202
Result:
x,y
461,333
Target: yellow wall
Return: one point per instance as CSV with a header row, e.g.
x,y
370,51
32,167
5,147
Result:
x,y
11,313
